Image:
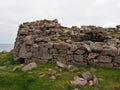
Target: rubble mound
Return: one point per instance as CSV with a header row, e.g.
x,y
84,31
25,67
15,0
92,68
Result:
x,y
47,41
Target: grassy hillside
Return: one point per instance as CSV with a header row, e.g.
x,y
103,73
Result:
x,y
31,80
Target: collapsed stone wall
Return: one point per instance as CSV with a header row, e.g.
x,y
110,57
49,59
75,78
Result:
x,y
47,40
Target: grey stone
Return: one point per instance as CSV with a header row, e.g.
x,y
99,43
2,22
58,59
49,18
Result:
x,y
73,47
61,45
96,47
72,68
78,58
79,82
92,55
29,66
117,59
61,65
110,51
104,59
46,56
22,52
87,76
80,51
87,47
95,80
29,55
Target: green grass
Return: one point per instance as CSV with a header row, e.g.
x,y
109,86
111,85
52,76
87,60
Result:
x,y
8,57
63,38
19,80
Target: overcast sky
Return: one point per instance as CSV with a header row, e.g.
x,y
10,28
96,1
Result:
x,y
68,12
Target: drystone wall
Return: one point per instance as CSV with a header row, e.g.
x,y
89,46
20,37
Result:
x,y
47,41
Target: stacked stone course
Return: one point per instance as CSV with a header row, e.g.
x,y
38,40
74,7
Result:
x,y
47,41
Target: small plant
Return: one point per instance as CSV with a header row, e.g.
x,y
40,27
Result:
x,y
63,38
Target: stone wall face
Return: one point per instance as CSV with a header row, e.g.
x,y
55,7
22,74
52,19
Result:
x,y
47,41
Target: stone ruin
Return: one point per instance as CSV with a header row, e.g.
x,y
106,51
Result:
x,y
47,41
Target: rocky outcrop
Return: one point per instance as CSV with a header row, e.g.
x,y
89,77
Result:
x,y
47,40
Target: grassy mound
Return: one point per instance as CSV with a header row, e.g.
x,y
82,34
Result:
x,y
19,80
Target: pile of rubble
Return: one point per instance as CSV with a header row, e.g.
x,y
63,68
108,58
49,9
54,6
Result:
x,y
85,79
47,41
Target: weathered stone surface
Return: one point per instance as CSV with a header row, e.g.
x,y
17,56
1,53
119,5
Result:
x,y
53,51
23,32
95,80
110,51
61,65
22,52
78,58
73,47
109,65
96,47
29,66
72,68
46,56
104,59
86,79
87,47
87,76
80,51
79,82
92,55
29,55
117,59
28,40
61,45
37,55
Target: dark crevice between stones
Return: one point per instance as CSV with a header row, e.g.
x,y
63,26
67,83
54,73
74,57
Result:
x,y
21,60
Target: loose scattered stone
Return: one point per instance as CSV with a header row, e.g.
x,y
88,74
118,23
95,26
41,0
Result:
x,y
53,77
18,67
87,75
3,67
51,71
95,80
86,79
61,65
79,82
72,68
3,52
29,66
41,75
